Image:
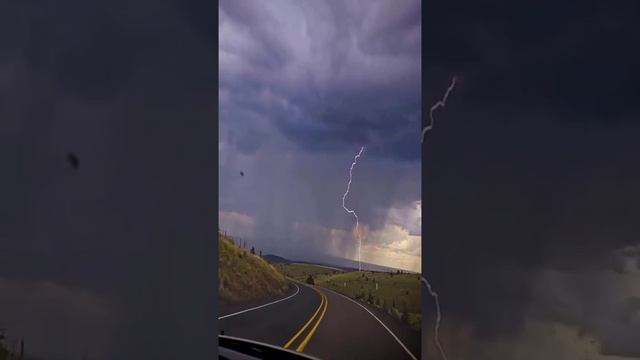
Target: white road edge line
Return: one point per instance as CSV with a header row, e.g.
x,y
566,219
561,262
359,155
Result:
x,y
380,321
261,306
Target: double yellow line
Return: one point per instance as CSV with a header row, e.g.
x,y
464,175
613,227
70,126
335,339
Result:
x,y
321,310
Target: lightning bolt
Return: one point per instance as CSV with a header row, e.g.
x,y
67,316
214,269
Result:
x,y
352,212
441,103
437,328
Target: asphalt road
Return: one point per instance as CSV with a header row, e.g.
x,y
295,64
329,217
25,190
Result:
x,y
324,324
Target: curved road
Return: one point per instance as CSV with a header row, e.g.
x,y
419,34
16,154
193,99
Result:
x,y
325,324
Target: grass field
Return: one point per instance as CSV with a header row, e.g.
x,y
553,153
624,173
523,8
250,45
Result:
x,y
244,276
4,352
398,294
300,271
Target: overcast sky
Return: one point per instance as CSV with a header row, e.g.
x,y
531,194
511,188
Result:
x,y
108,260
303,86
531,181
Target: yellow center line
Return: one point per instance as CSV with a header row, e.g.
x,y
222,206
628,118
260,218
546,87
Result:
x,y
304,343
322,301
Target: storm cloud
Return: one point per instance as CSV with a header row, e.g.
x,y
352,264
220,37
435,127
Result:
x,y
304,85
327,76
529,180
114,257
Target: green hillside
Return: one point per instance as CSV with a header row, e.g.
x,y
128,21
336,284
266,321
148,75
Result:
x,y
300,272
398,294
244,276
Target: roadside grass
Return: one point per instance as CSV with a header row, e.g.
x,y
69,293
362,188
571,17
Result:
x,y
4,352
300,272
244,276
397,294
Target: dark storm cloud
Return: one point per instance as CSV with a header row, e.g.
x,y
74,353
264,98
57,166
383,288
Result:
x,y
505,201
577,59
83,321
128,88
304,85
280,189
349,72
531,167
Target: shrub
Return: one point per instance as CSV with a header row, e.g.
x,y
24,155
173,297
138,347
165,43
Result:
x,y
405,312
310,280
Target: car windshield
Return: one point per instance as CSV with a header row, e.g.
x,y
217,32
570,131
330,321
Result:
x,y
319,211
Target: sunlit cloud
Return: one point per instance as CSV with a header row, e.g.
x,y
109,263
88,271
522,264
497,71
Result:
x,y
236,224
